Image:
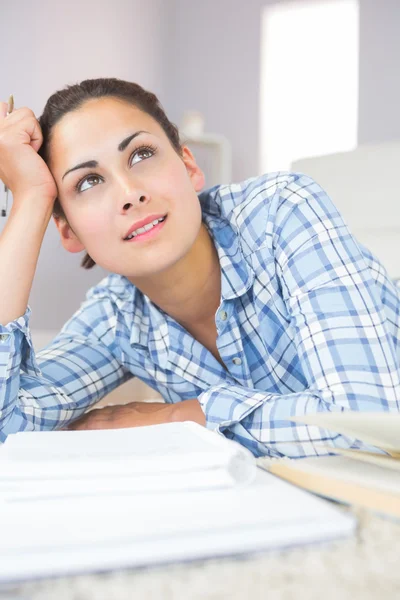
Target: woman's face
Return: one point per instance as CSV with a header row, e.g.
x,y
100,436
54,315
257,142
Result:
x,y
114,166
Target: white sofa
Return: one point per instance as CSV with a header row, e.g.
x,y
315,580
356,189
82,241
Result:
x,y
363,186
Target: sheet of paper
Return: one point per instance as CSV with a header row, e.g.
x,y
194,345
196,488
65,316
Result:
x,y
16,490
77,535
167,439
137,453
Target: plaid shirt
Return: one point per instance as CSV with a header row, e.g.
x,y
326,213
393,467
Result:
x,y
308,321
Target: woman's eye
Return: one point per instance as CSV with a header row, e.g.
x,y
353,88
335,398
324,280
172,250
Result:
x,y
85,183
141,153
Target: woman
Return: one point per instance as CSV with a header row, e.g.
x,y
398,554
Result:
x,y
244,305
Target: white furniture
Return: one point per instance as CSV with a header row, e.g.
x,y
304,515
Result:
x,y
212,151
363,186
213,154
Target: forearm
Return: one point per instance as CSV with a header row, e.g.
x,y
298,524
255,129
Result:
x,y
20,244
188,410
137,414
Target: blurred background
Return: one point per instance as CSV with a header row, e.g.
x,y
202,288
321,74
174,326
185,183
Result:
x,y
258,86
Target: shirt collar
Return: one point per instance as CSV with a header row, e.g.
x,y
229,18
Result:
x,y
149,327
237,276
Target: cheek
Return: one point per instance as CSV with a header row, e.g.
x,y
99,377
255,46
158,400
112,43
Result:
x,y
91,225
174,179
176,186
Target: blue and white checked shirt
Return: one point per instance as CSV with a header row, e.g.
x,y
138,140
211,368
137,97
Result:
x,y
308,321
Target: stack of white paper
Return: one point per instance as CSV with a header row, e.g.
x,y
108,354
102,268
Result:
x,y
74,501
173,456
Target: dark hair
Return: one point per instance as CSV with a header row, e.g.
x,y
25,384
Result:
x,y
73,97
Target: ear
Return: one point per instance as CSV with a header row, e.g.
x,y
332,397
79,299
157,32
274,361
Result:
x,y
68,238
195,173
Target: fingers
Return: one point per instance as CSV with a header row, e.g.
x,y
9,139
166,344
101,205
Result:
x,y
27,121
3,110
20,114
34,130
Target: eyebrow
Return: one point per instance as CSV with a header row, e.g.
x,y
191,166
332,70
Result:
x,y
90,164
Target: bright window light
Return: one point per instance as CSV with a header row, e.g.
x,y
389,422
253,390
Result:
x,y
309,80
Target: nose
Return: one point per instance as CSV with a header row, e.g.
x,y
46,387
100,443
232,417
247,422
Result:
x,y
132,195
141,199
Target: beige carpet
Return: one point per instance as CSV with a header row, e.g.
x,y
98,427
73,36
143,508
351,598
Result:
x,y
365,567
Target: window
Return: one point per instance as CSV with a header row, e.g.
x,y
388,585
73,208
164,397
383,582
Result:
x,y
309,80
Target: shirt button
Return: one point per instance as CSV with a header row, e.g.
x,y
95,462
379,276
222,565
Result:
x,y
237,361
4,337
224,315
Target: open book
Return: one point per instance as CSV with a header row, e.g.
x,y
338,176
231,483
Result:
x,y
368,479
78,501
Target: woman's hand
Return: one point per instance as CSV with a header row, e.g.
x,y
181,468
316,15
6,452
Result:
x,y
137,414
22,170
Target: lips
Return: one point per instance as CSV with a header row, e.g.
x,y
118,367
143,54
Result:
x,y
143,222
147,234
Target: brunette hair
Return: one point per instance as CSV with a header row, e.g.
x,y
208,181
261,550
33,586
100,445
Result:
x,y
73,97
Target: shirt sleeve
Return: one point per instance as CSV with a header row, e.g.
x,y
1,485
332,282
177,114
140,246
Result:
x,y
343,339
73,372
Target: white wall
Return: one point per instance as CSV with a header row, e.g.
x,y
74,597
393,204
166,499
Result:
x,y
46,45
215,62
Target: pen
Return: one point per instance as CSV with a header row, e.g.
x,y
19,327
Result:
x,y
10,108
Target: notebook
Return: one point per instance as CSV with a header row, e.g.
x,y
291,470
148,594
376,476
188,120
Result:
x,y
131,497
370,479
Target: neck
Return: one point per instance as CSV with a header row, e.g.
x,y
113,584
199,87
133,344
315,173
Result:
x,y
190,291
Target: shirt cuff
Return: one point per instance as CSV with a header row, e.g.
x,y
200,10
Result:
x,y
21,323
225,404
15,337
